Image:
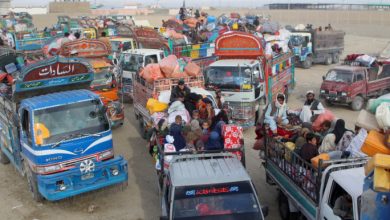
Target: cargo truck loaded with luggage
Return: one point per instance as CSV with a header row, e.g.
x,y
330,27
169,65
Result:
x,y
246,75
53,130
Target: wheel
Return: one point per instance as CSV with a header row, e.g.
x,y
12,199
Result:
x,y
32,184
336,58
284,209
328,59
357,103
306,64
3,158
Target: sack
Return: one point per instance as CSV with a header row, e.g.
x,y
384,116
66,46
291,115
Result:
x,y
326,116
382,115
192,69
151,73
168,65
179,75
259,144
154,105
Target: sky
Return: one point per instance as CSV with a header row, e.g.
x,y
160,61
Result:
x,y
197,3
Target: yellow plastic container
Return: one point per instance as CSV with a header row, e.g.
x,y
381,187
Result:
x,y
195,51
382,173
316,160
154,105
375,144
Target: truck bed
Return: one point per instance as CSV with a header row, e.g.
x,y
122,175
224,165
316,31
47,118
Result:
x,y
300,181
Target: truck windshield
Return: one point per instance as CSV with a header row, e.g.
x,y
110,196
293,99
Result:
x,y
233,201
336,75
131,62
229,78
62,121
116,46
102,78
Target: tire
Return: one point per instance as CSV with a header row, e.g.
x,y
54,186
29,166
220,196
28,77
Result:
x,y
336,58
284,209
3,158
357,103
306,64
32,184
328,60
142,127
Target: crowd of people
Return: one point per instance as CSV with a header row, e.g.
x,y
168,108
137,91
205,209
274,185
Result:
x,y
330,137
202,131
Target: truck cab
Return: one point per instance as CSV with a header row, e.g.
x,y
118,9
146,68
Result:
x,y
131,61
353,85
62,140
240,81
209,186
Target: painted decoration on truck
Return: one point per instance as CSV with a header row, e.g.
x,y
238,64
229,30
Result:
x,y
54,72
124,31
238,44
86,48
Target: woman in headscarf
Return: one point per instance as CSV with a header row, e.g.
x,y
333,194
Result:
x,y
328,144
276,113
343,135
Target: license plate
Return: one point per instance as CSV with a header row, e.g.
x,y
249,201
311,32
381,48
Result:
x,y
87,176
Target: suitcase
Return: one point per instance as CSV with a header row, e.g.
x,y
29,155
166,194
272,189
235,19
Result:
x,y
375,143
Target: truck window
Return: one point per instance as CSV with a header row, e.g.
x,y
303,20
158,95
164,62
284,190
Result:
x,y
150,59
26,124
229,77
224,201
385,72
340,202
359,76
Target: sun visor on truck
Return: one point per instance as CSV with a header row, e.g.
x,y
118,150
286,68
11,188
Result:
x,y
57,73
86,48
238,45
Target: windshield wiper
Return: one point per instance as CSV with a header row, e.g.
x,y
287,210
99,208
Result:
x,y
74,136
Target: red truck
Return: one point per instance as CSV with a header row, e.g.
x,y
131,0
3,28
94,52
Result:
x,y
353,84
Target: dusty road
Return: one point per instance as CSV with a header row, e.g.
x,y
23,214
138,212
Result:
x,y
140,199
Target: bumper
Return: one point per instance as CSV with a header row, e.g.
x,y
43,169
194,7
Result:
x,y
77,183
336,98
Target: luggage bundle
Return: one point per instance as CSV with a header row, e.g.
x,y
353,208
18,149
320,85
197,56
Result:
x,y
170,67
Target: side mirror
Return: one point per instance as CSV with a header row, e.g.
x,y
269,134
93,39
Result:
x,y
116,61
265,211
323,77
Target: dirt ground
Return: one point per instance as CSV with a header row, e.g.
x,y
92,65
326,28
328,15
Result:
x,y
139,201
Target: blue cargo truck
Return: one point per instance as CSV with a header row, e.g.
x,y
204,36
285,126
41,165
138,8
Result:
x,y
54,131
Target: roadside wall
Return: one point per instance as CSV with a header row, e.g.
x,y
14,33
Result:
x,y
69,7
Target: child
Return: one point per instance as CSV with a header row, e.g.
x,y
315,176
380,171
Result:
x,y
309,149
176,132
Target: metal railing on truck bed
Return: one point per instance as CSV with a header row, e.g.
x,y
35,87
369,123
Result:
x,y
193,51
143,90
304,175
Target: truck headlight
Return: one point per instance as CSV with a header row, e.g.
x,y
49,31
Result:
x,y
343,94
322,91
114,171
62,187
105,155
48,169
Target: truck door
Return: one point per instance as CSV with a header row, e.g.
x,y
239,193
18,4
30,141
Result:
x,y
258,82
26,128
336,203
359,83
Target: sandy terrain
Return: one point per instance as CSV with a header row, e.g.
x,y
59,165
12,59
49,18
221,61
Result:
x,y
140,200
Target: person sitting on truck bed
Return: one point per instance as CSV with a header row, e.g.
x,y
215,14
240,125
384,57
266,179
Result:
x,y
312,108
215,141
343,206
343,135
206,110
176,132
309,149
180,92
276,113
